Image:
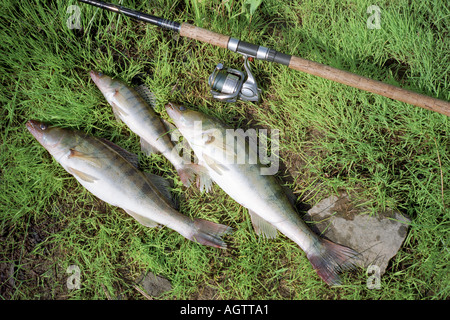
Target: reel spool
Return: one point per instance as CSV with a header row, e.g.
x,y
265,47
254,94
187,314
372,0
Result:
x,y
228,84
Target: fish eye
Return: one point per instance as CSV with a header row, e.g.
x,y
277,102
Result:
x,y
43,126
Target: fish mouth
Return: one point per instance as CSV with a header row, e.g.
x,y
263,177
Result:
x,y
43,133
94,76
35,128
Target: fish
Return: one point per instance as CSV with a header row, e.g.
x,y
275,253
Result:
x,y
133,108
110,173
267,202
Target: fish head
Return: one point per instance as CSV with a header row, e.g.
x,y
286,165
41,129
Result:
x,y
187,118
48,136
191,123
106,84
182,116
200,130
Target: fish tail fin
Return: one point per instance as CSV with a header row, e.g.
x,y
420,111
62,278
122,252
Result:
x,y
331,259
210,233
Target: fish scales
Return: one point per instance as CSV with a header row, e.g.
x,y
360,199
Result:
x,y
139,116
268,205
106,173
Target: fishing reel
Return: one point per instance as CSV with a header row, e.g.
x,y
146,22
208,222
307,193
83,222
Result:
x,y
229,84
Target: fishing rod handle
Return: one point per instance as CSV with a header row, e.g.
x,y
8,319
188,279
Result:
x,y
370,85
203,35
233,44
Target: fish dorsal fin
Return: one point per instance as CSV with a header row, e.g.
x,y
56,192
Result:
x,y
163,186
146,95
81,175
127,155
142,220
290,196
262,227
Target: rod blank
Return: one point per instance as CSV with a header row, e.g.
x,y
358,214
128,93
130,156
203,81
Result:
x,y
160,22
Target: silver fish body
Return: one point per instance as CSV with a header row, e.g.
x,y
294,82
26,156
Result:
x,y
265,199
105,170
133,110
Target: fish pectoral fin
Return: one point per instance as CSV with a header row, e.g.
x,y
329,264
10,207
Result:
x,y
163,186
209,138
81,175
204,182
214,165
130,157
262,227
74,153
118,112
147,148
142,220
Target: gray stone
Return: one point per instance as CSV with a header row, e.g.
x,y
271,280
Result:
x,y
377,238
155,285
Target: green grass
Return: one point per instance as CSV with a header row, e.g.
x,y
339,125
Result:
x,y
333,138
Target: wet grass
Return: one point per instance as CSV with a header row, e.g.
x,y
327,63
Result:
x,y
333,138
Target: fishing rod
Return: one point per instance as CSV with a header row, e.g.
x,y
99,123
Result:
x,y
229,84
